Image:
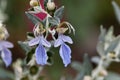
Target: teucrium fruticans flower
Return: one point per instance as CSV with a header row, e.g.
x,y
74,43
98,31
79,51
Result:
x,y
4,45
49,26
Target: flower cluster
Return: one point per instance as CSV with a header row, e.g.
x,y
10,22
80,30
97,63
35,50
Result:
x,y
4,45
49,31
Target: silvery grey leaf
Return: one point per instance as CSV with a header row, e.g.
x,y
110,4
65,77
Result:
x,y
76,65
102,34
33,18
112,76
116,10
4,74
59,12
86,68
109,35
24,46
54,21
100,48
95,59
87,65
113,45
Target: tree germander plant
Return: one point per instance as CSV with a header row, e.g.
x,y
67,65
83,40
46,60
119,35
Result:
x,y
51,31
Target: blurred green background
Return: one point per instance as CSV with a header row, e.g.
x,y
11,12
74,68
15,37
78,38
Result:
x,y
85,15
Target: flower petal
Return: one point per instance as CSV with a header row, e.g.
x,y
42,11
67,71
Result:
x,y
5,44
6,56
34,41
66,39
58,42
41,56
45,42
65,53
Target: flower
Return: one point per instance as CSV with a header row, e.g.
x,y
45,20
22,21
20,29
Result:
x,y
65,51
40,52
4,45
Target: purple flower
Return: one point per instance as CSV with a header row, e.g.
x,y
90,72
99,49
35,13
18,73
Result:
x,y
40,52
65,51
5,52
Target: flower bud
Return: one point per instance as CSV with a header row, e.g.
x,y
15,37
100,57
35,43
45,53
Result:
x,y
87,78
50,6
34,3
112,55
33,70
3,32
103,72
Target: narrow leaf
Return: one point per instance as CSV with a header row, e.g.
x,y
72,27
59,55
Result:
x,y
59,12
33,18
24,46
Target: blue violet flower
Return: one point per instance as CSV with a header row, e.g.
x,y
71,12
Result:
x,y
40,52
65,51
5,53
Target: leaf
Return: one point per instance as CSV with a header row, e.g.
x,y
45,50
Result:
x,y
105,38
102,34
59,12
116,10
4,74
29,55
86,68
31,34
87,65
33,18
113,45
24,46
54,21
50,57
45,2
76,65
112,76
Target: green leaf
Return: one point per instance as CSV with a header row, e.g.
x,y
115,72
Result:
x,y
24,46
76,65
29,55
87,65
33,18
31,34
59,12
54,21
50,57
45,3
5,74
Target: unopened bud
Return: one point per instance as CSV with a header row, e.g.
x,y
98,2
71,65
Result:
x,y
3,32
34,3
103,73
87,78
50,6
112,55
